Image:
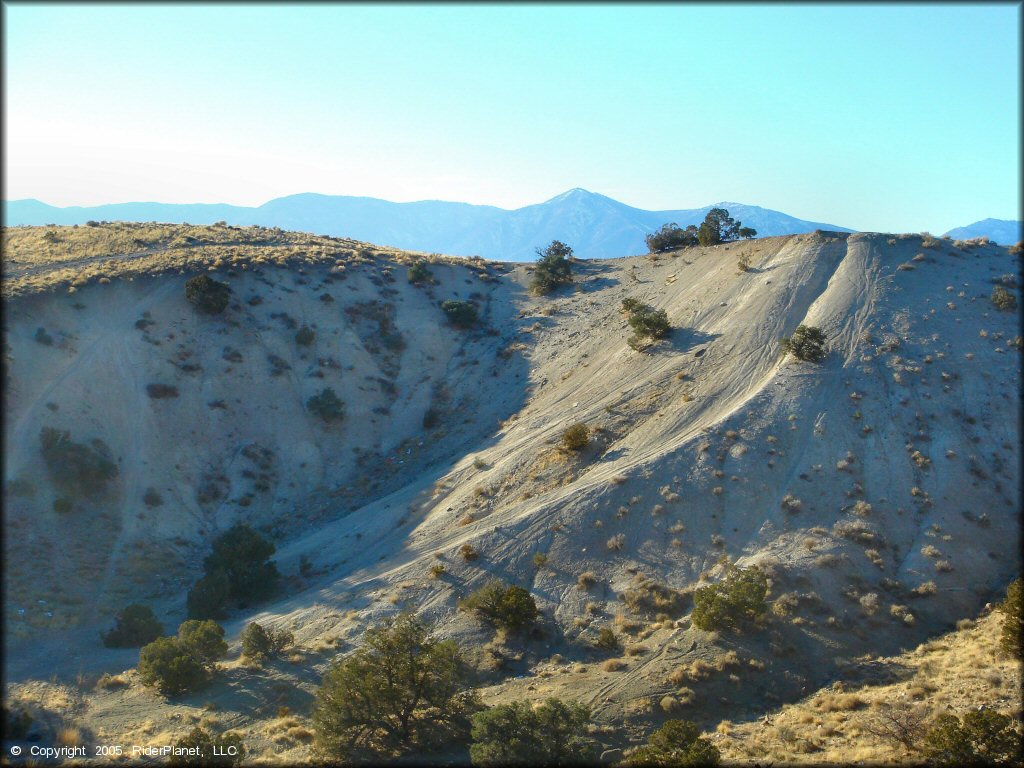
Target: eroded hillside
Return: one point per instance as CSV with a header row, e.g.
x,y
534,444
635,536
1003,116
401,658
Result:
x,y
879,489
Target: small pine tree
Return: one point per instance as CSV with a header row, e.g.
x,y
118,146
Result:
x,y
419,274
807,343
732,603
260,644
504,606
983,737
461,314
135,626
207,295
203,639
210,596
676,743
555,733
164,663
553,268
576,437
327,405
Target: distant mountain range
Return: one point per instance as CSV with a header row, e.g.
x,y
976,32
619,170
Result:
x,y
594,225
997,230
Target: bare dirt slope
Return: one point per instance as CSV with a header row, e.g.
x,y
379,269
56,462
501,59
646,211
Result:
x,y
880,484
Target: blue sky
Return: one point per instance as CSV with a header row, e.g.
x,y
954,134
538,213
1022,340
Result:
x,y
886,118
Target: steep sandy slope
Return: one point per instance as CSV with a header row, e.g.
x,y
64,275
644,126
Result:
x,y
880,484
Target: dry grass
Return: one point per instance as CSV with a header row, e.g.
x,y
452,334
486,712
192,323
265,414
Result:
x,y
839,725
78,256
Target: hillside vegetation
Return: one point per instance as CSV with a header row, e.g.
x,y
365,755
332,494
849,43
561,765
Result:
x,y
730,522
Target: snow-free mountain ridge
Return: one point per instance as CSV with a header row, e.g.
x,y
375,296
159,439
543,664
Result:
x,y
595,226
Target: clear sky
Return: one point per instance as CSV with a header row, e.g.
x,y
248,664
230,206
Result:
x,y
875,117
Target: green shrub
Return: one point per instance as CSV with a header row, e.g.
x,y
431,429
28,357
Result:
x,y
210,596
327,405
719,227
671,237
260,644
650,323
420,275
305,336
983,737
135,626
735,601
161,391
807,343
244,556
1011,636
461,314
62,505
630,305
1003,300
677,742
165,664
203,639
424,707
576,437
223,750
554,733
76,468
552,269
207,295
504,606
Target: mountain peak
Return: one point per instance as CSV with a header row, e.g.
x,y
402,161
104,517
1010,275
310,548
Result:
x,y
576,193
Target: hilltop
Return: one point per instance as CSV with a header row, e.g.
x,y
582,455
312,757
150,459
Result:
x,y
879,490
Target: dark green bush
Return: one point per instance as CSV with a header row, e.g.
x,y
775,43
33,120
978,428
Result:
x,y
719,227
419,274
260,644
305,336
671,237
207,295
983,737
244,556
504,606
135,626
203,639
461,314
62,505
650,323
76,468
576,437
554,733
1011,636
327,405
733,602
1003,300
164,663
552,269
676,743
210,597
161,391
425,706
807,343
224,750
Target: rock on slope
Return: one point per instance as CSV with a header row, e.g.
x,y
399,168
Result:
x,y
880,484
